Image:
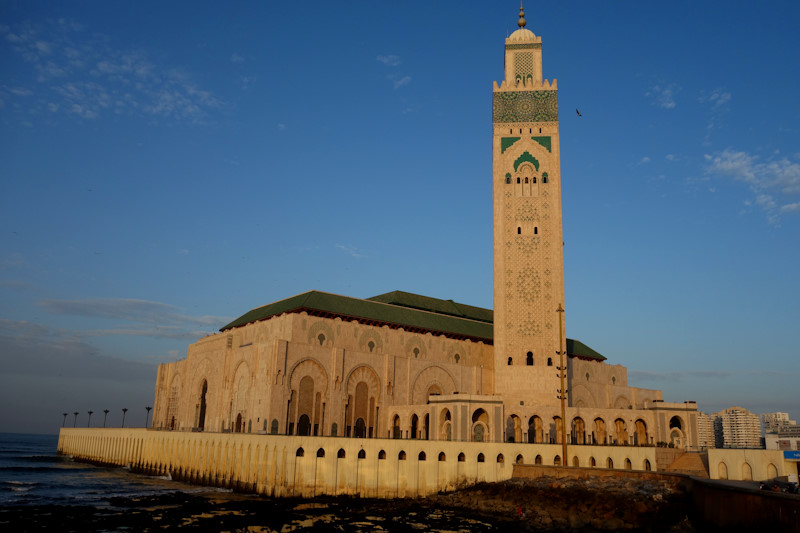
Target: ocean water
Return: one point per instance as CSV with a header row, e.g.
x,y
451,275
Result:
x,y
31,473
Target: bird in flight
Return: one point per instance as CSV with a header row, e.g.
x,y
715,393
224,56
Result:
x,y
579,113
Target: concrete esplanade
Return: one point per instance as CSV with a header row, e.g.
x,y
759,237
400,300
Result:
x,y
281,465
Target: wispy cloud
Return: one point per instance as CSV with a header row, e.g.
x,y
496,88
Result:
x,y
717,102
83,74
162,315
350,250
663,95
390,60
772,182
398,81
236,58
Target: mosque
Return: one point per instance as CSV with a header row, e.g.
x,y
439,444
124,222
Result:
x,y
406,366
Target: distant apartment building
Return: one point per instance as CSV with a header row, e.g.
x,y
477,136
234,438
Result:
x,y
773,422
705,431
787,438
737,427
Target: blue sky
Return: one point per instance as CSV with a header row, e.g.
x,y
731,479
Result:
x,y
168,166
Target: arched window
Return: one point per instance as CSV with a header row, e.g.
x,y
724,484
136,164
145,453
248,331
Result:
x,y
557,461
480,458
340,454
510,361
508,180
321,339
526,180
461,457
519,180
300,452
320,453
371,345
401,456
519,460
533,180
500,458
381,454
362,454
538,460
442,456
536,230
610,463
529,359
519,230
549,361
421,456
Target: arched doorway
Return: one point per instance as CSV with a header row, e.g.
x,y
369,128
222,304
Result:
x,y
621,431
397,433
599,431
238,427
201,415
480,426
360,430
414,426
640,437
578,431
304,425
535,433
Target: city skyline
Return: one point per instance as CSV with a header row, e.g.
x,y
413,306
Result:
x,y
164,175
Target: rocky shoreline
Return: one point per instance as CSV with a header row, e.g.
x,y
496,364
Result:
x,y
541,505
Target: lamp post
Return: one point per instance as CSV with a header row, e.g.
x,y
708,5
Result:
x,y
562,392
75,421
124,412
147,417
64,423
105,417
89,423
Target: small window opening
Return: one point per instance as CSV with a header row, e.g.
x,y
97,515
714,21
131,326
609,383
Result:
x,y
529,359
401,456
510,361
461,457
526,180
508,180
416,352
362,454
321,339
549,361
371,345
481,459
519,180
536,230
519,230
340,454
534,179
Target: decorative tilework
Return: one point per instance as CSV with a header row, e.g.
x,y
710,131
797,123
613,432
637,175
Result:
x,y
526,157
507,142
544,141
523,65
528,46
525,106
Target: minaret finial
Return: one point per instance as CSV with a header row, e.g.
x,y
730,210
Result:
x,y
521,22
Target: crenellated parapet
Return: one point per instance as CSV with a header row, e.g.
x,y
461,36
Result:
x,y
526,85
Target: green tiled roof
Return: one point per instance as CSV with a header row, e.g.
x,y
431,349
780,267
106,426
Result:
x,y
399,309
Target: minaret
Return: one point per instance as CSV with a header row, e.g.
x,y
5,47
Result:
x,y
528,254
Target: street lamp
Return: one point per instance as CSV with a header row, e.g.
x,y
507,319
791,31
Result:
x,y
124,412
64,423
562,392
89,423
146,418
75,422
105,417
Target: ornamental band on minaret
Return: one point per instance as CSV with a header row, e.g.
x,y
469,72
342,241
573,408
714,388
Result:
x,y
528,257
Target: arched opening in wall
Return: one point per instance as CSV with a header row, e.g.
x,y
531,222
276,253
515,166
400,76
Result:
x,y
371,346
238,427
538,460
273,427
360,429
621,431
610,463
321,339
201,415
640,436
426,426
362,454
592,462
414,426
578,431
647,466
442,457
340,454
481,458
510,361
628,465
396,431
535,431
480,425
304,426
500,458
401,456
676,422
557,460
321,453
250,426
722,471
334,429
513,429
434,390
599,431
676,437
556,430
462,457
576,461
382,454
747,472
421,456
549,361
519,460
772,472
300,452
363,408
446,428
529,359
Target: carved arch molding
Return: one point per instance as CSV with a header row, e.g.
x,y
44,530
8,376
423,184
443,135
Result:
x,y
432,375
313,369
